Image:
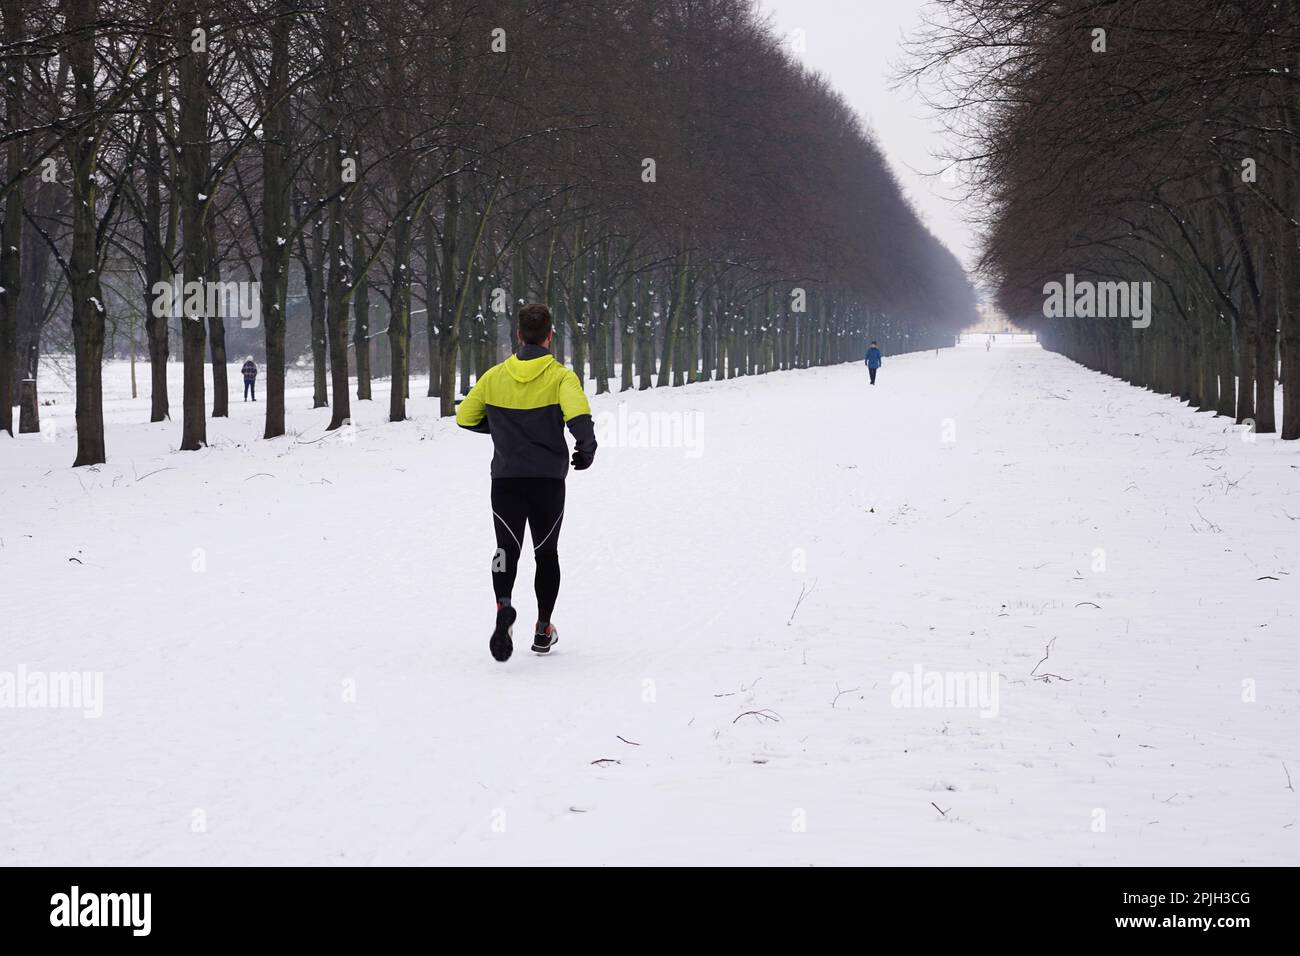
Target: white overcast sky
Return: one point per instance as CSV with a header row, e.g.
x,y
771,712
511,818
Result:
x,y
857,44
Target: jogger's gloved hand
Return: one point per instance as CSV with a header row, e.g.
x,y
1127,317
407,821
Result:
x,y
582,460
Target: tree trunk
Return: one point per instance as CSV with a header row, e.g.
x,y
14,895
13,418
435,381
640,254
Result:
x,y
83,261
432,306
468,346
577,309
10,296
157,323
32,314
11,232
721,322
449,285
314,276
29,420
600,320
275,217
1290,323
692,336
1225,362
627,333
1248,323
645,324
1289,273
1266,338
193,99
672,323
337,300
361,305
399,321
217,333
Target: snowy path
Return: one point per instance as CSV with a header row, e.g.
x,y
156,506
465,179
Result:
x,y
231,599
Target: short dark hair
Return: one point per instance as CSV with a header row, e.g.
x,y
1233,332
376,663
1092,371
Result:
x,y
534,323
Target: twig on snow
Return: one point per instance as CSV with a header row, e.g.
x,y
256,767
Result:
x,y
761,715
840,693
1229,485
328,434
803,593
1046,677
743,689
1212,526
140,478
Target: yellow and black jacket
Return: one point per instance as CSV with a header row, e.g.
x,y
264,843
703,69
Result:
x,y
524,404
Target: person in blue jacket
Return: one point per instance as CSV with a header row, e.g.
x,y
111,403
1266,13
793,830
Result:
x,y
874,360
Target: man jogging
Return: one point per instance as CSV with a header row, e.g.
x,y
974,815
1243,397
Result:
x,y
874,361
524,404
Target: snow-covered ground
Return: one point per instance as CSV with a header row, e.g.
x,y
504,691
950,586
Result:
x,y
292,635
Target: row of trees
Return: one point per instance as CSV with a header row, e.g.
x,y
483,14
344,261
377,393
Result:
x,y
1125,141
395,176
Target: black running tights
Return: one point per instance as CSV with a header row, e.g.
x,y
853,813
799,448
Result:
x,y
539,502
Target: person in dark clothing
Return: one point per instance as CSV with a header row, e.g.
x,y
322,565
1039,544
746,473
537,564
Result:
x,y
874,361
250,379
525,403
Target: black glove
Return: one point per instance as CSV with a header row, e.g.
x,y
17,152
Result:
x,y
582,460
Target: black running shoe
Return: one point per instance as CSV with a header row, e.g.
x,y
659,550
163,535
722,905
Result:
x,y
545,638
501,644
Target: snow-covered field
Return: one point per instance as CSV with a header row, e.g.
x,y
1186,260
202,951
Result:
x,y
292,635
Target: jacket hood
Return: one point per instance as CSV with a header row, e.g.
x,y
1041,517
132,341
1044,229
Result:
x,y
525,370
